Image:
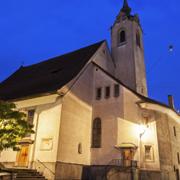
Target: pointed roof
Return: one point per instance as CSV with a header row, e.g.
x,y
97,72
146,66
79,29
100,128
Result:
x,y
126,9
47,76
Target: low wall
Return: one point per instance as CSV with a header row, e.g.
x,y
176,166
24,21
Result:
x,y
5,176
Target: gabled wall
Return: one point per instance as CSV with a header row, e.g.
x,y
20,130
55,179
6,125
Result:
x,y
107,110
76,118
103,59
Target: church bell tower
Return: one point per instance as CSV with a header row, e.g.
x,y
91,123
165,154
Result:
x,y
128,51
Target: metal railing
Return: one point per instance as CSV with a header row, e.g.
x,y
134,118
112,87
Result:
x,y
44,167
123,163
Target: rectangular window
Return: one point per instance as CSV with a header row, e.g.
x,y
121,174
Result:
x,y
116,90
174,129
98,93
30,116
107,92
178,158
149,156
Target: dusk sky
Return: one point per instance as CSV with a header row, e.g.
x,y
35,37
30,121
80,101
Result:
x,y
36,30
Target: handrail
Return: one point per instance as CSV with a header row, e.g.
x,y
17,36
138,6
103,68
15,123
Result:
x,y
123,163
46,167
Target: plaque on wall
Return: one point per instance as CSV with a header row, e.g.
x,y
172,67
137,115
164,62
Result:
x,y
46,144
149,153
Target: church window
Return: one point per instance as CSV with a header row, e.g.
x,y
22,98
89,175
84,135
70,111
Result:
x,y
178,158
122,36
149,156
96,133
80,148
107,92
138,39
98,93
30,116
116,90
174,129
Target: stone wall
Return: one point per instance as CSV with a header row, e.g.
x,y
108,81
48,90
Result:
x,y
65,171
5,176
169,145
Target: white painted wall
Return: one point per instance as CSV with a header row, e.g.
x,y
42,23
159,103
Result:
x,y
47,118
108,110
76,121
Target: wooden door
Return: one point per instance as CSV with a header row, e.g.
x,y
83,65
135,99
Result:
x,y
22,156
127,157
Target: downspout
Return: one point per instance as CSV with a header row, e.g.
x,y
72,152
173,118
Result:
x,y
35,142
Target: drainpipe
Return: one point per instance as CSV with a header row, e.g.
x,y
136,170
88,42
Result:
x,y
35,137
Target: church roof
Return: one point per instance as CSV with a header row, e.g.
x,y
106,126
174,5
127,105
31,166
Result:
x,y
46,76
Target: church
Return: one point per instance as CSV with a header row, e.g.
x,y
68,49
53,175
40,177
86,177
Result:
x,y
92,116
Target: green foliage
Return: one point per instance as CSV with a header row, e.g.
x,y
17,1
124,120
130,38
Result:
x,y
13,126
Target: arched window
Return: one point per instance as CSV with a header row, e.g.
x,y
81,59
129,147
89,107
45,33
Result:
x,y
122,36
138,39
96,133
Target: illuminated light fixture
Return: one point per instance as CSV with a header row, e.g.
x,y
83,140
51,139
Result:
x,y
142,129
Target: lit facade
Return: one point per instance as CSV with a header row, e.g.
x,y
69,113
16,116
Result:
x,y
100,122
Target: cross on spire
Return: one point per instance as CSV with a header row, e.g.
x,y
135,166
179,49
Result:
x,y
126,9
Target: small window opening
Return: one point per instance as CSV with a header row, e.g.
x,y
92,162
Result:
x,y
178,158
56,70
98,93
116,90
107,92
122,37
30,116
174,129
174,168
80,148
138,39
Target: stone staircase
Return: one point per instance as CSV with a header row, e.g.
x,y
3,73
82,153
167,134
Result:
x,y
25,174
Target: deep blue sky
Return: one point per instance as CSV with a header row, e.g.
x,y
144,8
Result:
x,y
34,30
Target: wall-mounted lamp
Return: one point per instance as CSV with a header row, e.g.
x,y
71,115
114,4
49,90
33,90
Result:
x,y
142,129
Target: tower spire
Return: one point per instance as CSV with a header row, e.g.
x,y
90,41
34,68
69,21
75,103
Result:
x,y
126,9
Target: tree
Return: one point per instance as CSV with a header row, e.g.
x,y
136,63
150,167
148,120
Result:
x,y
13,126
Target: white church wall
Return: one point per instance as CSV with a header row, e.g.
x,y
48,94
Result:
x,y
131,109
46,126
8,157
130,132
104,59
48,130
76,121
107,110
135,115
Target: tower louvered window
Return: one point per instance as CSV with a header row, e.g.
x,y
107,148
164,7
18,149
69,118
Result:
x,y
122,36
138,39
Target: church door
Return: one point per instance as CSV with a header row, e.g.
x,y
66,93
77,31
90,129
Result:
x,y
127,157
22,156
